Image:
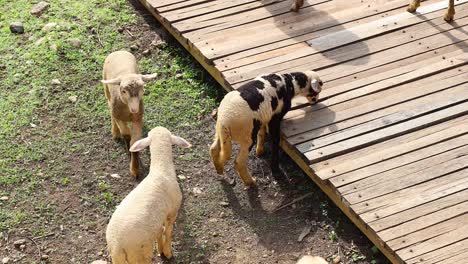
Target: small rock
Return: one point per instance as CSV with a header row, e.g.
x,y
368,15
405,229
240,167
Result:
x,y
182,177
17,27
55,82
197,190
49,26
215,234
19,242
73,98
100,253
120,30
22,247
5,260
224,204
158,43
39,8
179,75
336,259
99,262
146,52
53,47
74,42
40,41
115,175
133,47
32,125
265,255
44,257
4,198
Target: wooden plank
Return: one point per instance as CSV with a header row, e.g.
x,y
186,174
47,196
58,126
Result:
x,y
336,198
274,17
332,125
384,223
417,160
425,221
220,46
301,54
389,132
403,179
401,200
181,5
301,49
434,237
236,16
454,253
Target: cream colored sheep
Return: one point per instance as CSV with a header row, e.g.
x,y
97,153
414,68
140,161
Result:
x,y
247,113
151,208
123,87
414,4
311,260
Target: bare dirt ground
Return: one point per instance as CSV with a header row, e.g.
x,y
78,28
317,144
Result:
x,y
219,222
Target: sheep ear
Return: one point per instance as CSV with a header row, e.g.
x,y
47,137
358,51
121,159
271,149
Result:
x,y
316,86
180,142
148,77
140,144
112,81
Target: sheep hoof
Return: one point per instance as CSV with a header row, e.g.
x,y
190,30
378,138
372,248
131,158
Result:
x,y
295,8
259,152
251,183
448,17
412,8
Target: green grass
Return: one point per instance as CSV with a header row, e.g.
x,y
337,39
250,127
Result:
x,y
41,130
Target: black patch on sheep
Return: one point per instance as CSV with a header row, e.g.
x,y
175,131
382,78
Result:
x,y
300,78
281,92
272,79
251,95
274,103
258,84
288,80
256,128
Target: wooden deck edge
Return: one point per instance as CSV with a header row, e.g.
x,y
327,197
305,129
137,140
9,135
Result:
x,y
333,195
217,75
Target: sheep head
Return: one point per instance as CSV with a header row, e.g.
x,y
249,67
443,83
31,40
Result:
x,y
313,88
159,133
131,89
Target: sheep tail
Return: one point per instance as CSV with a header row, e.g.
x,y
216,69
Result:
x,y
221,148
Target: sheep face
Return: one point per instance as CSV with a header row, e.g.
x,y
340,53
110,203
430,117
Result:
x,y
131,89
312,91
131,93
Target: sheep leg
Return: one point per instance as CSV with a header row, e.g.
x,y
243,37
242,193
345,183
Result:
x,y
450,11
240,164
274,130
115,129
142,255
137,127
124,131
296,5
168,225
414,4
160,241
259,150
220,151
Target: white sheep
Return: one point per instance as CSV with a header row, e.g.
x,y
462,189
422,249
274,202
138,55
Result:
x,y
414,4
123,87
247,113
312,260
151,208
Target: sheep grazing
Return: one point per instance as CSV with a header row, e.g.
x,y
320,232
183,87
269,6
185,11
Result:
x,y
246,113
311,260
123,87
151,208
414,4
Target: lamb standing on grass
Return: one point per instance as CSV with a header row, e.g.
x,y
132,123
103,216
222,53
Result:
x,y
150,208
244,114
123,87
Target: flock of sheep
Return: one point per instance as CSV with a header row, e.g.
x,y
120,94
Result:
x,y
147,214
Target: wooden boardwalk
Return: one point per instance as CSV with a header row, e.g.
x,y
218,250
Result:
x,y
389,141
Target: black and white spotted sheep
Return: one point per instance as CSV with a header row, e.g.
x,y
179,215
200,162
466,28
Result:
x,y
246,113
